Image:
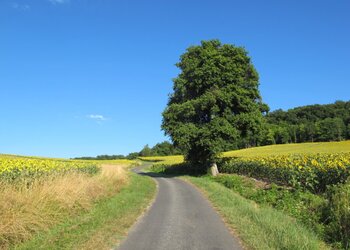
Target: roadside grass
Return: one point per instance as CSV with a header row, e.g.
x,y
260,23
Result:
x,y
104,225
26,209
306,207
259,227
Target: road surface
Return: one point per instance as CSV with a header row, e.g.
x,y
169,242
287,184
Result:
x,y
179,219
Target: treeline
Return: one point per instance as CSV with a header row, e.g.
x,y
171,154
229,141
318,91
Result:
x,y
102,157
312,123
160,149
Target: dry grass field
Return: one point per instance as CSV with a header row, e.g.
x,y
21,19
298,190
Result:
x,y
28,209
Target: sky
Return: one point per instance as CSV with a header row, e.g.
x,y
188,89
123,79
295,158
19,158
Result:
x,y
91,77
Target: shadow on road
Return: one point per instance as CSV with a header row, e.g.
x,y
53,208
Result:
x,y
139,170
171,172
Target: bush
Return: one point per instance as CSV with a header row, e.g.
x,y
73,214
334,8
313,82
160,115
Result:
x,y
338,215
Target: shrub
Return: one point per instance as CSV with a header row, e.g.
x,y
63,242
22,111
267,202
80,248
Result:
x,y
338,214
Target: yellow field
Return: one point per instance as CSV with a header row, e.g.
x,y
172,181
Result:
x,y
309,165
29,209
287,149
117,162
273,150
14,167
173,159
68,188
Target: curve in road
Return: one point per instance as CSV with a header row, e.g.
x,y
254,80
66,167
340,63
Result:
x,y
180,218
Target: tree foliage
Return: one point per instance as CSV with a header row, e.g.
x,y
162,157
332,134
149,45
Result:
x,y
329,122
101,157
215,102
160,149
146,151
165,148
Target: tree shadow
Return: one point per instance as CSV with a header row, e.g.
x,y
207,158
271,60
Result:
x,y
172,171
158,175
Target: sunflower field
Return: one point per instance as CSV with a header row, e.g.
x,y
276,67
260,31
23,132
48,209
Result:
x,y
13,168
311,171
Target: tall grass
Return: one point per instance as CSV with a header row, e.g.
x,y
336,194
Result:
x,y
26,210
103,226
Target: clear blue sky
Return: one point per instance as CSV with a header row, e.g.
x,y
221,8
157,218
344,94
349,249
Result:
x,y
88,77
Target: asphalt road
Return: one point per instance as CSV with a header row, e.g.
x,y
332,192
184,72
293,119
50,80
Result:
x,y
179,219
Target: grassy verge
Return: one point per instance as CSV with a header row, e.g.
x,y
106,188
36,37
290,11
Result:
x,y
259,227
27,208
306,207
102,226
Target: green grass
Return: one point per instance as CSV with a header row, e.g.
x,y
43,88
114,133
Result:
x,y
302,205
259,227
102,227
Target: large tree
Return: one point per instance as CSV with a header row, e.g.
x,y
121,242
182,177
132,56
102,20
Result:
x,y
215,103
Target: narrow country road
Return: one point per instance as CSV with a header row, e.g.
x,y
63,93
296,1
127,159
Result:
x,y
180,218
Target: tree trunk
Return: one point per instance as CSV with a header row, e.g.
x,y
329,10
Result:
x,y
214,169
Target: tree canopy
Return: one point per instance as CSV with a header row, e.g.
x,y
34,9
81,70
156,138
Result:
x,y
160,149
328,122
215,102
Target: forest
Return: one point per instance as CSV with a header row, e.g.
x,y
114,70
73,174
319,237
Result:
x,y
312,123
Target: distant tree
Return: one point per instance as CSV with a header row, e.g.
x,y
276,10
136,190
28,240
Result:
x,y
102,157
331,129
216,101
146,151
282,135
110,157
310,131
311,113
84,158
268,137
132,156
292,130
277,116
165,148
308,123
